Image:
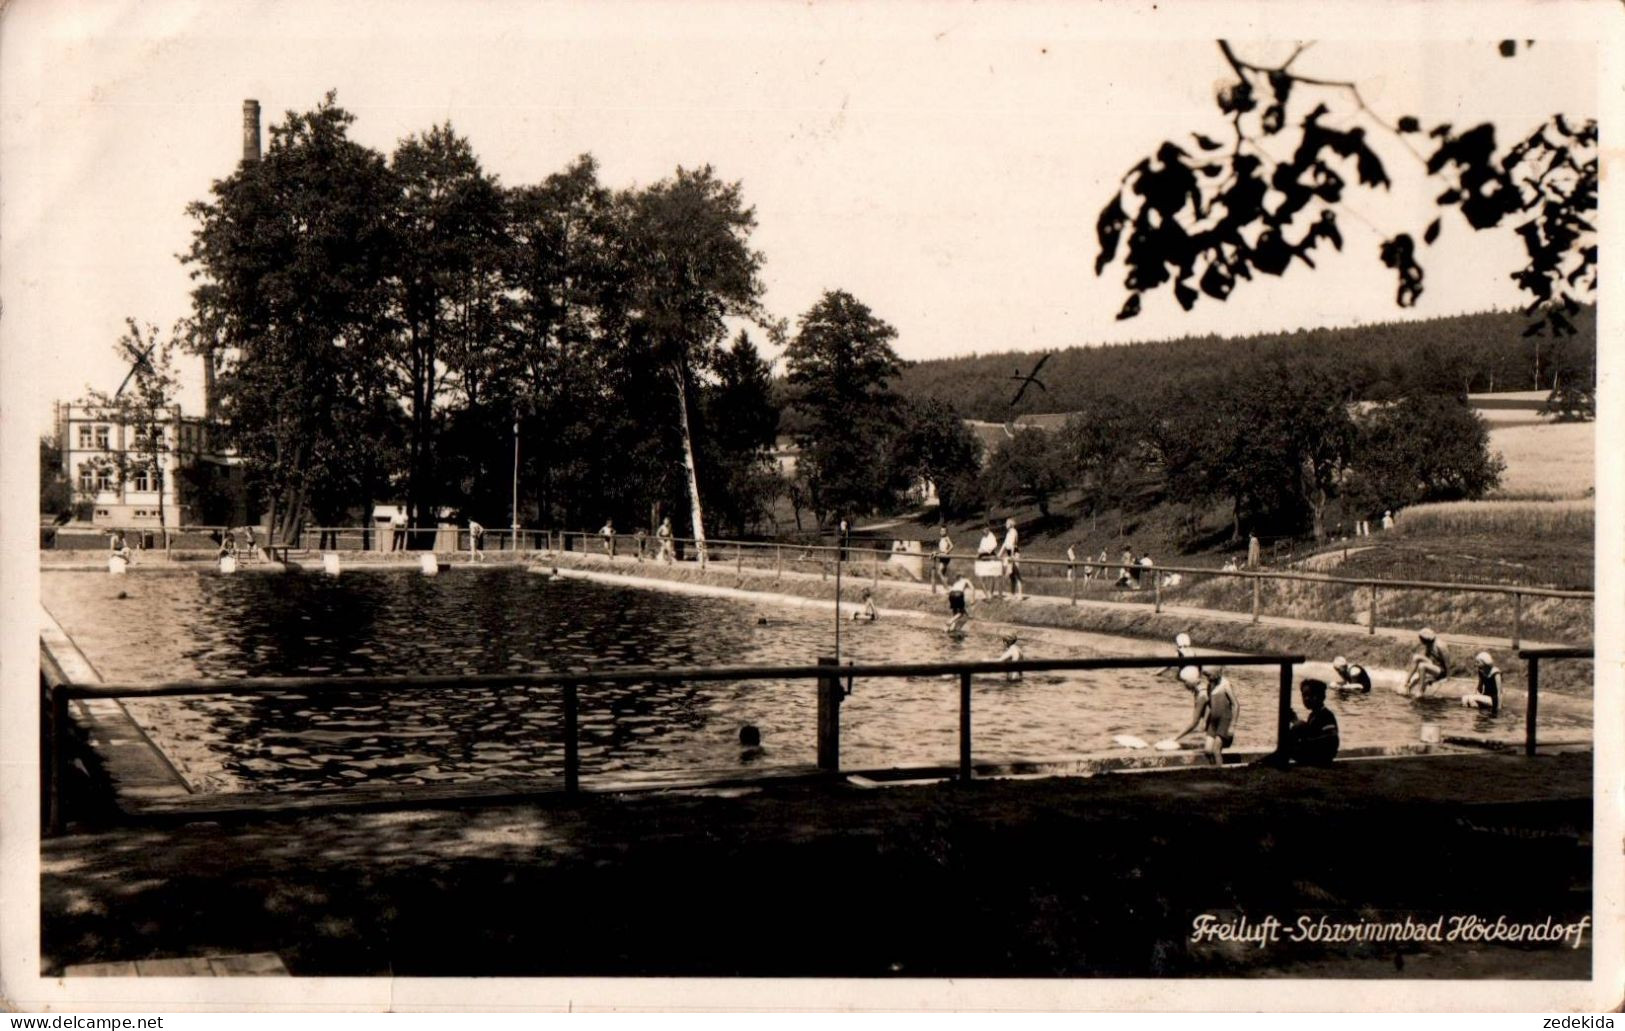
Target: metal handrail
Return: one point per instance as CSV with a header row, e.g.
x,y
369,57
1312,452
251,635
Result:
x,y
834,683
1531,658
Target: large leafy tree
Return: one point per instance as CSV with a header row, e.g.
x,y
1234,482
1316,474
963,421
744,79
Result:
x,y
935,445
738,422
1424,447
840,365
686,266
292,256
445,280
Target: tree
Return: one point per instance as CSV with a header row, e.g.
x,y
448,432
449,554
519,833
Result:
x,y
738,422
688,267
1102,442
55,491
1202,221
1030,467
935,446
144,408
445,277
1425,447
292,254
838,368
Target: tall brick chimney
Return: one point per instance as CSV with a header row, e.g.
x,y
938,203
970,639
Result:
x,y
251,132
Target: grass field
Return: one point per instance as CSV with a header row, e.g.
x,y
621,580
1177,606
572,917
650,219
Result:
x,y
1546,459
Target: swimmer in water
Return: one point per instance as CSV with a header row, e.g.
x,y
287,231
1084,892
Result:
x,y
1182,648
1487,694
750,743
958,614
1012,653
1351,677
868,611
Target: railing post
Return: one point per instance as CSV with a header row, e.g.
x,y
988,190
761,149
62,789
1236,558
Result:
x,y
875,580
964,727
1531,706
1372,628
739,561
572,748
1517,618
829,718
1156,584
1072,588
1255,597
1283,715
59,724
778,562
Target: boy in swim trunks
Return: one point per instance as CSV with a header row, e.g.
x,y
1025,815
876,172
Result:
x,y
958,615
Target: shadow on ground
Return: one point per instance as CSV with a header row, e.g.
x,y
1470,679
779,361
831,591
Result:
x,y
1039,878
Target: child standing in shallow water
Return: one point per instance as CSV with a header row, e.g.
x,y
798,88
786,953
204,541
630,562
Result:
x,y
1012,653
958,615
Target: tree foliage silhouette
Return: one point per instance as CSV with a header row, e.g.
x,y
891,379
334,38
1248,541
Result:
x,y
1203,217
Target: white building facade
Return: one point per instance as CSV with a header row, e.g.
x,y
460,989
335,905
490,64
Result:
x,y
110,465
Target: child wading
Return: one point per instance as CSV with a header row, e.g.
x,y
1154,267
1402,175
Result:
x,y
958,614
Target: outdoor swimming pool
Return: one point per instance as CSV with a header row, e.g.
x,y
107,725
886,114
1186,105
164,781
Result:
x,y
507,620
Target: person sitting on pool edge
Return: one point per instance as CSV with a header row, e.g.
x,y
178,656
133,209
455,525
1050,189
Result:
x,y
868,611
958,615
1012,653
1313,740
1487,692
1428,666
1351,677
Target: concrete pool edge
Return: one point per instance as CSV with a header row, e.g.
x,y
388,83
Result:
x,y
137,770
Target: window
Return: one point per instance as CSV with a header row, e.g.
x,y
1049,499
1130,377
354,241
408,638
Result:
x,y
85,438
87,478
103,435
104,479
142,480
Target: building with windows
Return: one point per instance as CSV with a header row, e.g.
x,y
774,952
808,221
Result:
x,y
118,475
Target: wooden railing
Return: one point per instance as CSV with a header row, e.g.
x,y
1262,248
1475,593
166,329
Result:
x,y
834,682
1532,657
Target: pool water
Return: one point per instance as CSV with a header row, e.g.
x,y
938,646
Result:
x,y
508,620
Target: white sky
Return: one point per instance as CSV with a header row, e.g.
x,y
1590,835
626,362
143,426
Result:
x,y
944,162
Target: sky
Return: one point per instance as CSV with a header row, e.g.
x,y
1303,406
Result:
x,y
943,162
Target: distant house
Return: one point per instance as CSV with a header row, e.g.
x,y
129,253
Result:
x,y
96,443
992,434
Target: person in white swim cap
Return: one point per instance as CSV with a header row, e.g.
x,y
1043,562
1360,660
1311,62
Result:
x,y
1428,666
1351,677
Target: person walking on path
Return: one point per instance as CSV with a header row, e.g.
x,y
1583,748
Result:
x,y
476,541
397,530
1010,552
641,539
1255,556
1388,519
663,541
607,532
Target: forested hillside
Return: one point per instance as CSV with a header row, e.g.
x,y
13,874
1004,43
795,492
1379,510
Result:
x,y
1475,353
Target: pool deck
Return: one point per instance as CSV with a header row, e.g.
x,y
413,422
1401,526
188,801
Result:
x,y
1007,877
